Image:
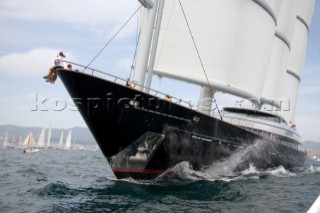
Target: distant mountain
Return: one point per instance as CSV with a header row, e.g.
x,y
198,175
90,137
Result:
x,y
80,135
311,145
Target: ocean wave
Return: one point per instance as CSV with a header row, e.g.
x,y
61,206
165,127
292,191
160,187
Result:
x,y
57,190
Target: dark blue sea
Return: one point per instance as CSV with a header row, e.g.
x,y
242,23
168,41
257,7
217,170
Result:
x,y
53,180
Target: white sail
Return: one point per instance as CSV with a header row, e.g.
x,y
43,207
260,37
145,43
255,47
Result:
x,y
41,140
296,58
32,141
60,145
5,142
273,86
25,142
49,137
29,142
68,140
234,39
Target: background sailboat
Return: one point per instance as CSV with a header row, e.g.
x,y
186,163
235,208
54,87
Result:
x,y
20,143
60,145
30,144
68,140
41,140
49,138
5,142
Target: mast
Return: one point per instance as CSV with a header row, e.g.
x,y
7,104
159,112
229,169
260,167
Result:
x,y
143,50
205,100
154,45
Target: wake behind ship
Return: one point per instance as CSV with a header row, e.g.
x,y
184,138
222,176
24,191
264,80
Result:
x,y
143,132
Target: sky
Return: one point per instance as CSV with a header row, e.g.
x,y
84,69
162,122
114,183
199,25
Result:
x,y
33,32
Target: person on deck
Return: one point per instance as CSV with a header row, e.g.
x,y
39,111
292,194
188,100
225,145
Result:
x,y
128,83
58,63
292,125
69,67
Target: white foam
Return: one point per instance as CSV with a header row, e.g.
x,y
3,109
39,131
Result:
x,y
251,170
279,172
312,169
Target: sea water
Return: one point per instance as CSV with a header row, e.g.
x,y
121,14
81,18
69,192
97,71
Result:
x,y
54,180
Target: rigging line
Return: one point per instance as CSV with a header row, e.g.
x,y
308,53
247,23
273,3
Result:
x,y
135,51
113,37
134,56
194,43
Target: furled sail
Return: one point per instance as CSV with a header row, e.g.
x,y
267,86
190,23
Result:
x,y
234,39
296,58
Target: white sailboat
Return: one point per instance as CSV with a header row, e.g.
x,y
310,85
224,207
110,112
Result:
x,y
20,143
41,140
250,49
30,144
49,138
68,140
60,145
5,142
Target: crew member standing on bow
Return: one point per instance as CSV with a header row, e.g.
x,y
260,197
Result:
x,y
58,63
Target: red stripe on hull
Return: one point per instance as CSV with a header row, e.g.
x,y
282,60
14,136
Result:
x,y
138,170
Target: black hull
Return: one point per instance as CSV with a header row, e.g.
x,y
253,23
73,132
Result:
x,y
142,135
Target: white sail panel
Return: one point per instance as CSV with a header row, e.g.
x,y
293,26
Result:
x,y
298,48
234,39
275,5
273,87
287,19
299,43
297,57
306,10
289,102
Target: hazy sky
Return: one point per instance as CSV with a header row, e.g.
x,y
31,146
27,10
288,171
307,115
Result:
x,y
33,32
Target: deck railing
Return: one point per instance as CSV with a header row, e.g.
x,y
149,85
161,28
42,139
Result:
x,y
133,84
